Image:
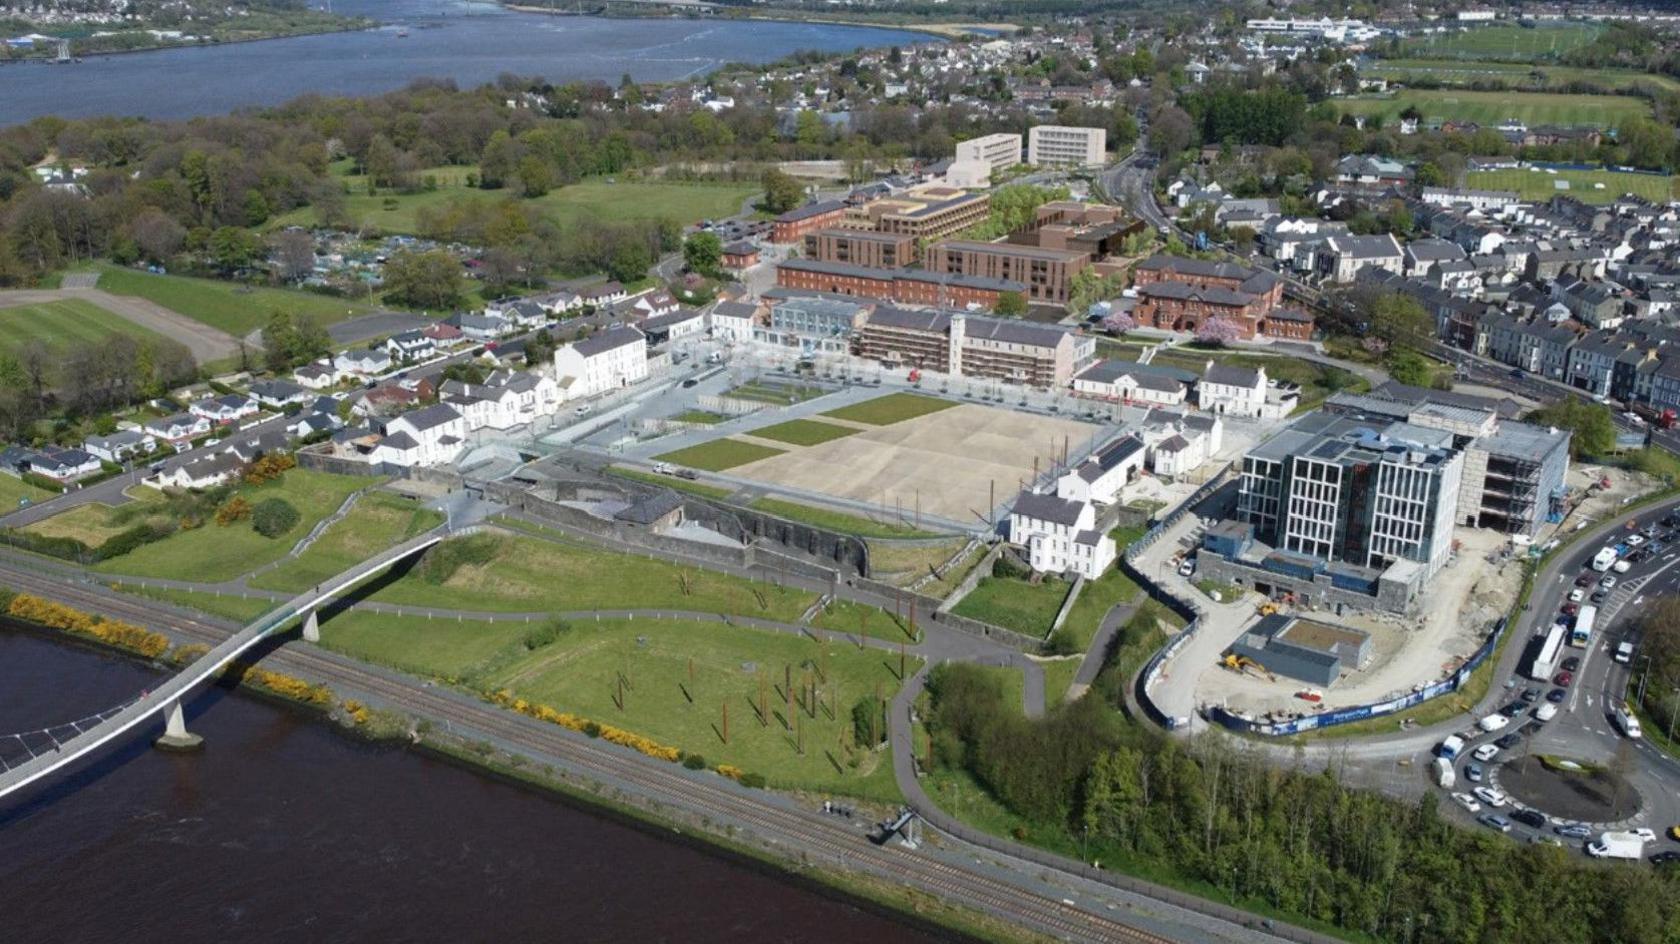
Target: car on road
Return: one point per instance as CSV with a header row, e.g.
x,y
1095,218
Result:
x,y
1608,582
1570,609
1490,796
1495,722
1646,833
1545,713
1508,741
1473,773
1494,821
1577,595
1556,695
1571,664
1573,831
1533,818
1667,857
1468,802
1562,679
690,382
1187,568
1486,752
1516,374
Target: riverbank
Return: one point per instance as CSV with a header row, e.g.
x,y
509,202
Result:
x,y
512,755
359,25
943,30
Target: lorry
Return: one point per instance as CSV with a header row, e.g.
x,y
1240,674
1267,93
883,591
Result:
x,y
1664,418
1545,661
1614,845
1451,747
1604,558
1444,775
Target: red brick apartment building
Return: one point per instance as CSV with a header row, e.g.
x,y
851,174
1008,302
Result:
x,y
792,226
1047,273
1176,294
905,286
861,247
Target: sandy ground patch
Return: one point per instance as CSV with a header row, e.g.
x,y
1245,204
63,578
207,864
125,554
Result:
x,y
947,461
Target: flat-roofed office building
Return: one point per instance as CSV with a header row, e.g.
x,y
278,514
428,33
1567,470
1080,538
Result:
x,y
1064,146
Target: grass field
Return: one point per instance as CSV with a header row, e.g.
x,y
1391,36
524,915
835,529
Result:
x,y
780,394
803,432
700,416
14,491
892,408
887,557
64,325
528,574
1582,184
719,454
1096,598
1489,109
839,520
636,675
575,205
232,307
92,524
377,521
1058,677
214,553
1539,77
844,616
1512,43
1015,604
669,481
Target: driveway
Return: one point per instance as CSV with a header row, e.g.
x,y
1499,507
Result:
x,y
206,343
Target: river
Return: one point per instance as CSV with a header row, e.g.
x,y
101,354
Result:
x,y
283,829
470,42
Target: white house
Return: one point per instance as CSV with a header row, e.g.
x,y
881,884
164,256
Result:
x,y
1060,535
122,445
732,322
1344,256
318,376
224,409
53,462
178,429
363,363
198,472
279,393
506,399
410,346
1126,382
607,360
653,304
676,326
1239,391
1101,476
1183,443
428,436
604,294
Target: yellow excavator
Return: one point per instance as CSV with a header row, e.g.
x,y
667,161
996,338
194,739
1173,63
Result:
x,y
1243,664
1268,608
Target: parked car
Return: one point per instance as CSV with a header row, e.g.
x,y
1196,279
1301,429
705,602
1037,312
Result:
x,y
1570,609
1599,596
1562,679
1530,694
1508,741
1667,857
1513,709
1494,821
1608,582
1556,695
1585,580
1626,564
1533,818
1188,568
1571,664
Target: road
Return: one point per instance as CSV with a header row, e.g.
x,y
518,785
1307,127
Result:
x,y
207,344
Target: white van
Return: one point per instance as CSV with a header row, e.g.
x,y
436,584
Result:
x,y
1626,721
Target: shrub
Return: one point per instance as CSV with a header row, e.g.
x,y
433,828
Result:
x,y
1064,643
869,721
273,517
591,729
546,634
269,468
694,762
751,780
234,509
445,558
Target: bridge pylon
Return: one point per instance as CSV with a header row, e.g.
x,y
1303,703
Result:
x,y
312,626
176,737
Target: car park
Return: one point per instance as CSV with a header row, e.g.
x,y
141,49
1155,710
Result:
x,y
1556,695
1494,821
1486,752
1490,796
1533,818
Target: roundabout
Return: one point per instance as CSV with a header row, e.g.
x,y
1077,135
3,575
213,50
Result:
x,y
1566,789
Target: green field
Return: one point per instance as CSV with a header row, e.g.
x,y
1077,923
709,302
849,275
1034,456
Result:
x,y
669,481
63,326
780,394
1582,184
890,409
1015,604
232,307
93,523
378,520
844,616
912,558
1513,43
719,454
1489,109
704,417
528,574
1540,77
1058,677
575,205
1096,598
636,675
227,605
212,553
803,432
14,490
840,521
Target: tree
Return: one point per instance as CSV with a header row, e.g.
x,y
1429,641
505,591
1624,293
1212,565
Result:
x,y
233,248
535,176
1410,368
1011,304
428,280
703,253
1593,430
157,235
1397,318
273,517
1118,322
1218,331
781,192
294,254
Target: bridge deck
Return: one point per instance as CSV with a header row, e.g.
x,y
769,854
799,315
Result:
x,y
158,700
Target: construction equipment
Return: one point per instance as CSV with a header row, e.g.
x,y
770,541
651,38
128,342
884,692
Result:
x,y
1243,664
1267,608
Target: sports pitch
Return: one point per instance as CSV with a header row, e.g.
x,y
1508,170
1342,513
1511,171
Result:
x,y
947,461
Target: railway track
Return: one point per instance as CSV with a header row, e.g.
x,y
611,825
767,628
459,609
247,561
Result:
x,y
1059,918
